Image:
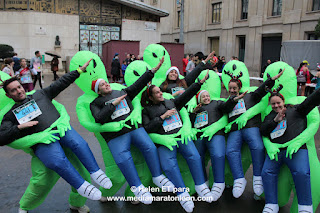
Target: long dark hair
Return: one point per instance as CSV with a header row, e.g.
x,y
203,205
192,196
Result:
x,y
179,82
300,66
237,81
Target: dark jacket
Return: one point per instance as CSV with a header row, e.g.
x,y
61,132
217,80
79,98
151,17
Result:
x,y
9,127
115,67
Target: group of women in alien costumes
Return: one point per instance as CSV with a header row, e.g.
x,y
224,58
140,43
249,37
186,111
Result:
x,y
175,122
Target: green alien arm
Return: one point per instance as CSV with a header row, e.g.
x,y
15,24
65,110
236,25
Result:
x,y
166,140
308,134
186,131
87,121
136,117
272,148
191,104
211,130
250,113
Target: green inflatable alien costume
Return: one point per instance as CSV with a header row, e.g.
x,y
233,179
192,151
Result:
x,y
43,179
285,182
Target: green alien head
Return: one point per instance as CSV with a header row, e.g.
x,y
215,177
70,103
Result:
x,y
95,70
152,55
134,71
236,69
212,84
288,79
4,100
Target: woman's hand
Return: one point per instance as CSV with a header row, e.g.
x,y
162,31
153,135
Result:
x,y
205,77
168,113
277,76
280,116
210,56
197,108
240,96
154,70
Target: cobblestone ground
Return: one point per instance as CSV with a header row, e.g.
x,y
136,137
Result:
x,y
15,175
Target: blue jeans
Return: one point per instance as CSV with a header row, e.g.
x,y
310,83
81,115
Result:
x,y
234,143
170,166
300,170
120,150
53,157
217,151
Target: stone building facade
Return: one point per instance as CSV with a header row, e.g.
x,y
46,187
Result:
x,y
249,29
30,25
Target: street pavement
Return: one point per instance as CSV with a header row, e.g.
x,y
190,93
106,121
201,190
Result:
x,y
16,172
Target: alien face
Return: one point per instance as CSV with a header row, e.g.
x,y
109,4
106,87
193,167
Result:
x,y
212,84
237,69
134,71
288,79
94,71
152,55
4,100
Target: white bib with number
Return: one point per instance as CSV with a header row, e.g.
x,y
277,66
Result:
x,y
279,130
201,119
171,123
238,109
176,89
121,109
27,112
25,79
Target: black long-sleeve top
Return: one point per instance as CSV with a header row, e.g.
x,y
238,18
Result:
x,y
214,110
151,119
295,120
104,111
190,79
9,130
251,99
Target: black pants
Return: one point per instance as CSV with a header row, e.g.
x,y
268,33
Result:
x,y
55,76
36,77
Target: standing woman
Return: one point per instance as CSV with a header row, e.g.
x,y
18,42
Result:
x,y
161,116
283,124
25,75
302,76
176,86
55,67
115,68
7,67
250,133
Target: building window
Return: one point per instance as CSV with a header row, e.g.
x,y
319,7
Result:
x,y
216,12
277,7
242,47
316,5
154,2
244,9
312,36
178,20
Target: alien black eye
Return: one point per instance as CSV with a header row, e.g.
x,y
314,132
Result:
x,y
94,63
234,67
268,75
280,70
164,52
136,73
154,55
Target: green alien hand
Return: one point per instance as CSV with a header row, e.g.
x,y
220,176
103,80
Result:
x,y
136,117
166,140
211,130
272,148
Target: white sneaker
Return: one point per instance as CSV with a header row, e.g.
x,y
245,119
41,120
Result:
x,y
186,201
204,192
217,190
82,209
270,208
142,194
257,185
163,183
101,178
305,209
22,211
238,187
89,191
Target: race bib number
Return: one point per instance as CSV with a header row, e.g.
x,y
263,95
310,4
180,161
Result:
x,y
27,112
279,130
172,123
121,109
176,89
26,79
240,108
201,119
